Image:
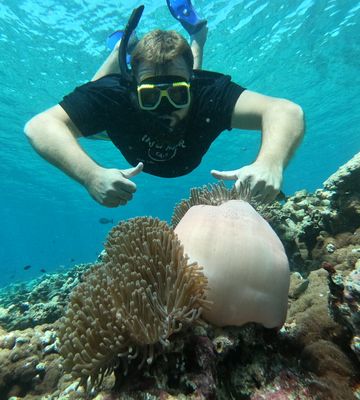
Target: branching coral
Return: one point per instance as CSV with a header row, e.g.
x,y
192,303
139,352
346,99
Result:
x,y
144,291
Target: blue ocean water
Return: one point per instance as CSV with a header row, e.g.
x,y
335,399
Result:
x,y
306,51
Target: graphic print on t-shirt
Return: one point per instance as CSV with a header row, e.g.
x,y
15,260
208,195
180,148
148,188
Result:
x,y
159,151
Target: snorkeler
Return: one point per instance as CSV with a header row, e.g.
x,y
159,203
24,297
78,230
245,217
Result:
x,y
163,115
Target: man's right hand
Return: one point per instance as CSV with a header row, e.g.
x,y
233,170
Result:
x,y
113,187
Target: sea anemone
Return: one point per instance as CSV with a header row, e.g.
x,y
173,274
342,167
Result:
x,y
211,195
243,258
144,290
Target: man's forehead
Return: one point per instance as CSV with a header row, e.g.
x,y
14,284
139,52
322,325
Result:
x,y
177,67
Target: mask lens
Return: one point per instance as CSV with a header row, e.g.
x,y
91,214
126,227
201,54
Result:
x,y
150,97
179,95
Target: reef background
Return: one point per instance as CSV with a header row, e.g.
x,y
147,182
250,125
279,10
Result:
x,y
316,355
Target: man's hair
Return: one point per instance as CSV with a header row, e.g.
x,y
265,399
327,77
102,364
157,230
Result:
x,y
160,48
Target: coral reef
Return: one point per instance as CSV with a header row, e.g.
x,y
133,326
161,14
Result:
x,y
343,267
41,301
247,362
306,217
320,341
29,361
314,356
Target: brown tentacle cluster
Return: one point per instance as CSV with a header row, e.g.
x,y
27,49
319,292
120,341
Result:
x,y
212,194
144,291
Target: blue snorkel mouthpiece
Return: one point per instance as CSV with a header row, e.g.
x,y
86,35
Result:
x,y
130,28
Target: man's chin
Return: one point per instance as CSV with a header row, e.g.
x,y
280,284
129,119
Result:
x,y
169,120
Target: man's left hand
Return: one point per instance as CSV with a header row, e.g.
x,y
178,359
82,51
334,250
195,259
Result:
x,y
264,181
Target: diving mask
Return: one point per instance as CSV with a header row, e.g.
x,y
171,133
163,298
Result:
x,y
151,93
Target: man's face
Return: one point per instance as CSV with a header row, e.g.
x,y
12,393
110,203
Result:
x,y
178,68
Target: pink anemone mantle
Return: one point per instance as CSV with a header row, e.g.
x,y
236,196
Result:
x,y
244,261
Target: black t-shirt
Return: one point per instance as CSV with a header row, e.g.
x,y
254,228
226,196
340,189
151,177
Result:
x,y
109,104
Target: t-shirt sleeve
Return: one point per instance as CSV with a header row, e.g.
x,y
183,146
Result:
x,y
217,96
226,94
90,106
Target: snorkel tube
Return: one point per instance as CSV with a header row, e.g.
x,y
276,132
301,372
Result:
x,y
130,27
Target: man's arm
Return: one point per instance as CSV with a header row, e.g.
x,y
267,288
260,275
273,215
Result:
x,y
197,43
54,136
110,65
282,125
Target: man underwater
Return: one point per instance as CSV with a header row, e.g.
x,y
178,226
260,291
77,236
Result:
x,y
163,115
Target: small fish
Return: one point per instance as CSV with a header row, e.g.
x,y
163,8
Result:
x,y
27,267
105,221
43,270
72,259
